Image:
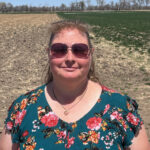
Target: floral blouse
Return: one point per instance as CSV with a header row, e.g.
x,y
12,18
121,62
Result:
x,y
110,125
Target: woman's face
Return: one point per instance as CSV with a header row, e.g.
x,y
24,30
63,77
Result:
x,y
69,67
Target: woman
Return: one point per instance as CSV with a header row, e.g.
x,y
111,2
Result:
x,y
73,111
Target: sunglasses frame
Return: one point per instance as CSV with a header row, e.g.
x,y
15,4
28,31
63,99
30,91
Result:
x,y
72,49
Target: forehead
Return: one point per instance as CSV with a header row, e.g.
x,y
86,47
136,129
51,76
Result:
x,y
70,35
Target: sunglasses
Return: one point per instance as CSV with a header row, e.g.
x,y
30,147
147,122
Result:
x,y
59,50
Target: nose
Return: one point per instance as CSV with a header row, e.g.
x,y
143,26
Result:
x,y
70,55
70,58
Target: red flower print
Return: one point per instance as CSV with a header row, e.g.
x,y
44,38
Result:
x,y
50,119
115,115
94,123
25,133
62,134
133,119
70,141
34,98
107,89
19,117
9,125
106,109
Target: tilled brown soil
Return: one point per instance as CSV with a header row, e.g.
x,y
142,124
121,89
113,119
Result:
x,y
23,59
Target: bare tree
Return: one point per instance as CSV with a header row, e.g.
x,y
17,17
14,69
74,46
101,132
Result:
x,y
124,4
82,5
147,2
9,7
63,7
100,3
112,4
140,3
88,3
3,7
73,6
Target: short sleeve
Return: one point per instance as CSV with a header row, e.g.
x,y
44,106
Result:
x,y
14,119
133,120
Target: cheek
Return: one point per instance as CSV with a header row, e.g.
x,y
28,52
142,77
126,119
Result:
x,y
87,65
53,63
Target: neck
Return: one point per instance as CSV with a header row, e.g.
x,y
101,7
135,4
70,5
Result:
x,y
68,92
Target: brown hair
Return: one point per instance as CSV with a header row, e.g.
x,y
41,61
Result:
x,y
56,27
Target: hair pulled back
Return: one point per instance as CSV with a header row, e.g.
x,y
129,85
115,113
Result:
x,y
57,27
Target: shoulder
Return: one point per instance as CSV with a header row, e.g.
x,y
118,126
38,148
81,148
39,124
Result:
x,y
122,112
28,96
18,109
119,100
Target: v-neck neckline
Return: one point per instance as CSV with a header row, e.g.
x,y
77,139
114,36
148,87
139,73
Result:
x,y
81,118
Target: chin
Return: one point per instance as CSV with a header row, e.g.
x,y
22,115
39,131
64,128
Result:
x,y
70,77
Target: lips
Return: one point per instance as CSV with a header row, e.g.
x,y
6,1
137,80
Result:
x,y
70,68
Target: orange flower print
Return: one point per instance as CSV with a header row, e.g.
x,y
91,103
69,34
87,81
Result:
x,y
30,147
74,125
40,112
103,125
30,144
57,131
34,98
16,106
59,142
91,136
107,89
99,100
33,95
83,136
94,137
23,103
13,116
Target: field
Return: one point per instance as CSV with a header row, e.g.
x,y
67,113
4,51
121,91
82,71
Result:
x,y
130,29
23,59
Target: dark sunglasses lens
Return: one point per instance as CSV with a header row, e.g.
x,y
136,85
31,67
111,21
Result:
x,y
80,50
58,50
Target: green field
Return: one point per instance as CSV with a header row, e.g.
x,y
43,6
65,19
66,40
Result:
x,y
127,28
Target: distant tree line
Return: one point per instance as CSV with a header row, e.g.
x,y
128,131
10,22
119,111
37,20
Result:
x,y
82,5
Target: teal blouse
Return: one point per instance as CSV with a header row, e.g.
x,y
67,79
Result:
x,y
111,124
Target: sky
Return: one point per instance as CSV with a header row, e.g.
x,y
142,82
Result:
x,y
43,2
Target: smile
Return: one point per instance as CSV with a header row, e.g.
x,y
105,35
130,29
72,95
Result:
x,y
70,68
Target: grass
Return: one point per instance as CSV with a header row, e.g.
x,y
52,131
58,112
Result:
x,y
130,28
